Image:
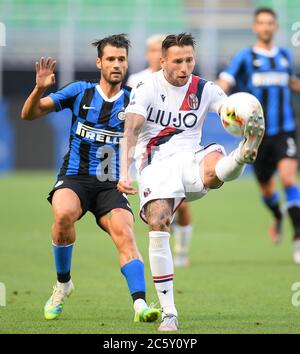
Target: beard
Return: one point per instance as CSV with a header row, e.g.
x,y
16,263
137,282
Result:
x,y
267,37
112,81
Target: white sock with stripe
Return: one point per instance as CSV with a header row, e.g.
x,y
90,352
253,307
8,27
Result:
x,y
161,264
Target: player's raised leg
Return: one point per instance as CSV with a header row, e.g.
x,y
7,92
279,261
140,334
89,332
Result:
x,y
158,214
119,224
216,168
232,166
66,209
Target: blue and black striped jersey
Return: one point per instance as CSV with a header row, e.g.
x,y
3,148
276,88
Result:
x,y
266,75
96,129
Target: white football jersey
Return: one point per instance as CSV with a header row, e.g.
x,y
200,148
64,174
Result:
x,y
134,79
173,115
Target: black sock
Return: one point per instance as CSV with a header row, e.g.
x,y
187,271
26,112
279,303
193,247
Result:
x,y
294,213
272,203
138,295
63,277
275,209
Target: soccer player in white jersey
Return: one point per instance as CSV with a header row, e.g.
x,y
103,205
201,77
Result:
x,y
182,225
163,126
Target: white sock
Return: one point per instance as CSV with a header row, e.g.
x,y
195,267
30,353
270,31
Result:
x,y
228,169
161,264
139,304
182,235
65,286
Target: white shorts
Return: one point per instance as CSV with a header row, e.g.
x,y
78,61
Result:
x,y
175,177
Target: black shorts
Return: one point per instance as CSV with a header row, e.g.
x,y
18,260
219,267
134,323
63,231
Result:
x,y
97,197
271,151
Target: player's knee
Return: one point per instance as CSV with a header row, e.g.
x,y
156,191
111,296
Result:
x,y
214,183
64,219
210,178
159,222
288,180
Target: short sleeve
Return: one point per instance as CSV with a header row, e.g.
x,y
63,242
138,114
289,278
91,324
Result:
x,y
141,98
288,57
230,74
64,98
217,97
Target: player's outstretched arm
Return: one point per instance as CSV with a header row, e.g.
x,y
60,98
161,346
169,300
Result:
x,y
225,85
35,106
133,125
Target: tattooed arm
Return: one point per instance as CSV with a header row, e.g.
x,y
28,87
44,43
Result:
x,y
133,126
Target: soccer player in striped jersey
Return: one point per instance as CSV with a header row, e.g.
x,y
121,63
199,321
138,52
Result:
x,y
88,178
265,70
163,128
182,227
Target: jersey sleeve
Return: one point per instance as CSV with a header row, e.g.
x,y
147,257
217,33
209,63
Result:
x,y
141,98
288,56
231,72
64,98
217,97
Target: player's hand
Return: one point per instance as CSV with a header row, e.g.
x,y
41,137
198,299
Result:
x,y
125,186
45,72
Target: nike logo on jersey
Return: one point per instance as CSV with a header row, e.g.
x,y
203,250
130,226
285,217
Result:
x,y
87,107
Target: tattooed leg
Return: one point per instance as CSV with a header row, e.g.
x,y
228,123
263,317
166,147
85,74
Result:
x,y
158,214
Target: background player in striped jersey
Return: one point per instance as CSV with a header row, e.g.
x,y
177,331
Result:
x,y
182,226
163,128
265,70
87,180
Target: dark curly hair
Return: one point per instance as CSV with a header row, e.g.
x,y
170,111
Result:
x,y
116,40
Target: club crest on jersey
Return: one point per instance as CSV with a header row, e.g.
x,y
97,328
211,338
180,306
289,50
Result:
x,y
121,115
257,63
147,192
193,101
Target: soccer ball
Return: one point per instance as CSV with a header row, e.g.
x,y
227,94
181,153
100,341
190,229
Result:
x,y
236,111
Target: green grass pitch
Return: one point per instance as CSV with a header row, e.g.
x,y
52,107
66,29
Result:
x,y
238,281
